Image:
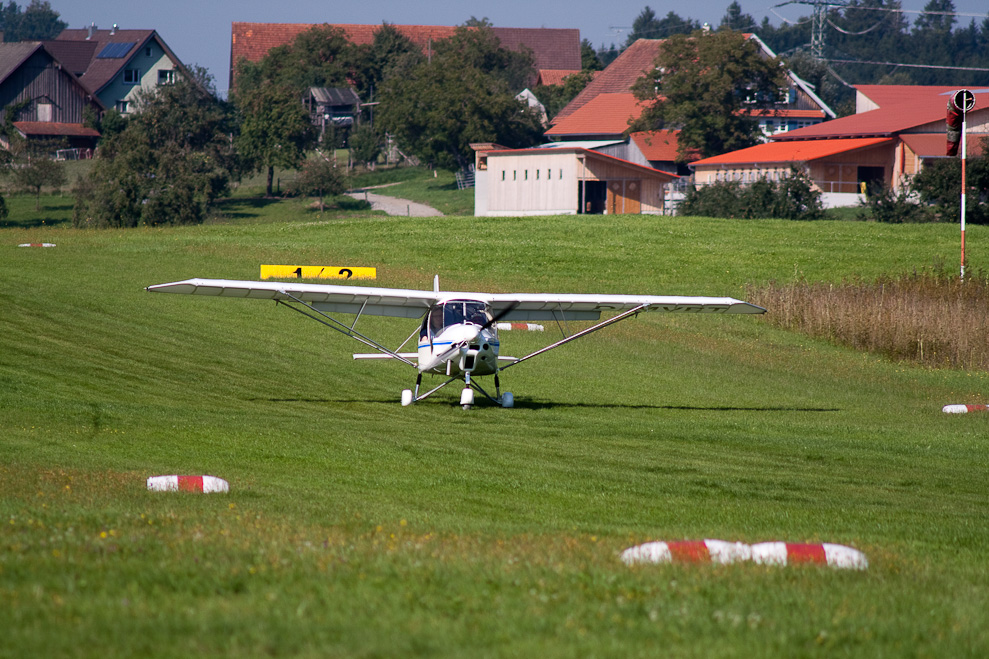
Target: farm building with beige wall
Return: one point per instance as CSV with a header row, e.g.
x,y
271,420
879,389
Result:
x,y
563,180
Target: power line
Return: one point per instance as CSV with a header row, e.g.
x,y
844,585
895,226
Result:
x,y
913,66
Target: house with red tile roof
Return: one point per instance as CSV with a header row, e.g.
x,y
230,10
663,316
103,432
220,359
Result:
x,y
116,64
552,49
56,100
577,121
901,127
606,107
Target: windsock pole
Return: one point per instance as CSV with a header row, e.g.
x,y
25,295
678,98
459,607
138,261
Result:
x,y
964,158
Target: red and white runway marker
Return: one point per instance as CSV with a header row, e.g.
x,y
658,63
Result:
x,y
205,484
688,551
530,327
962,409
765,553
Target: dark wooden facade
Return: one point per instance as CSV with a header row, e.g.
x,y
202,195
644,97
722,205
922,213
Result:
x,y
29,72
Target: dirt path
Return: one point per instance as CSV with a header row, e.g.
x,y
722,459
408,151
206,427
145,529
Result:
x,y
393,205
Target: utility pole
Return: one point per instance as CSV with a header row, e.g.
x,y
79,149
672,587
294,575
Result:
x,y
818,19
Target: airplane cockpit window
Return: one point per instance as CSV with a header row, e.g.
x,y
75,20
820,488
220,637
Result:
x,y
461,311
476,312
435,320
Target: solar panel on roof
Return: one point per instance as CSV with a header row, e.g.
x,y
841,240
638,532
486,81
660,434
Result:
x,y
115,50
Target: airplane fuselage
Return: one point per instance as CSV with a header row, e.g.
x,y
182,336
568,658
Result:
x,y
457,337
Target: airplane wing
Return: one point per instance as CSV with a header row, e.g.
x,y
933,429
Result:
x,y
397,302
528,307
409,303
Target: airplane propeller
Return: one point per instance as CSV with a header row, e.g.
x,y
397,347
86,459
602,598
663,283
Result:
x,y
461,345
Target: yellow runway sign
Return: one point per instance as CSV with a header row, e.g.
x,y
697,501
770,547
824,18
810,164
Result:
x,y
316,272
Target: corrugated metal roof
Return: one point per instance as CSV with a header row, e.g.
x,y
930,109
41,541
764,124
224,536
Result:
x,y
335,95
785,152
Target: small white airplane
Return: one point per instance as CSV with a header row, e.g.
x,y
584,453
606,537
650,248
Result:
x,y
458,336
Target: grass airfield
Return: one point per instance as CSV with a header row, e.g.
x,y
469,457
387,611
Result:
x,y
356,527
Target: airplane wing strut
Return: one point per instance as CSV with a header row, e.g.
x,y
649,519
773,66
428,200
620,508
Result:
x,y
583,333
343,328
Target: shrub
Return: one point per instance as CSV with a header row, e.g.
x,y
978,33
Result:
x,y
883,205
791,198
939,186
320,178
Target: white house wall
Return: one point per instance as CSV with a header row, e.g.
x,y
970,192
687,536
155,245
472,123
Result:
x,y
531,185
148,64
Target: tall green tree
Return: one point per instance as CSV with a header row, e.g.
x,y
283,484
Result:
x,y
36,22
734,19
555,97
589,60
389,53
704,85
275,130
645,26
462,94
318,57
33,167
167,166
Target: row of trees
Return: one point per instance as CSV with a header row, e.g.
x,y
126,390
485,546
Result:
x,y
178,154
35,22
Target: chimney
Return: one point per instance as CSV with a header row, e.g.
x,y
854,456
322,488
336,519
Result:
x,y
91,29
113,30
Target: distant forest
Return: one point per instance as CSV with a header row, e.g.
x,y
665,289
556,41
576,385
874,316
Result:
x,y
864,42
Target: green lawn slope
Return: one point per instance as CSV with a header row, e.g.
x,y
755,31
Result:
x,y
357,527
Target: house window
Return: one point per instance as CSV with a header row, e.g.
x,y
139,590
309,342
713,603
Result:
x,y
44,111
166,76
537,174
549,174
503,175
147,51
515,174
132,76
123,107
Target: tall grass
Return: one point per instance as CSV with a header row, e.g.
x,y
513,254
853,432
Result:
x,y
928,317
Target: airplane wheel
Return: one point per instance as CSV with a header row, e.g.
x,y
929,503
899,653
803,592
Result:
x,y
406,397
467,398
507,399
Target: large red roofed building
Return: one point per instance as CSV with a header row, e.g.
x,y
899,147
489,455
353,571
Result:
x,y
899,128
553,49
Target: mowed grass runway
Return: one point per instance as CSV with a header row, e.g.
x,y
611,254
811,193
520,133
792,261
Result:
x,y
356,527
